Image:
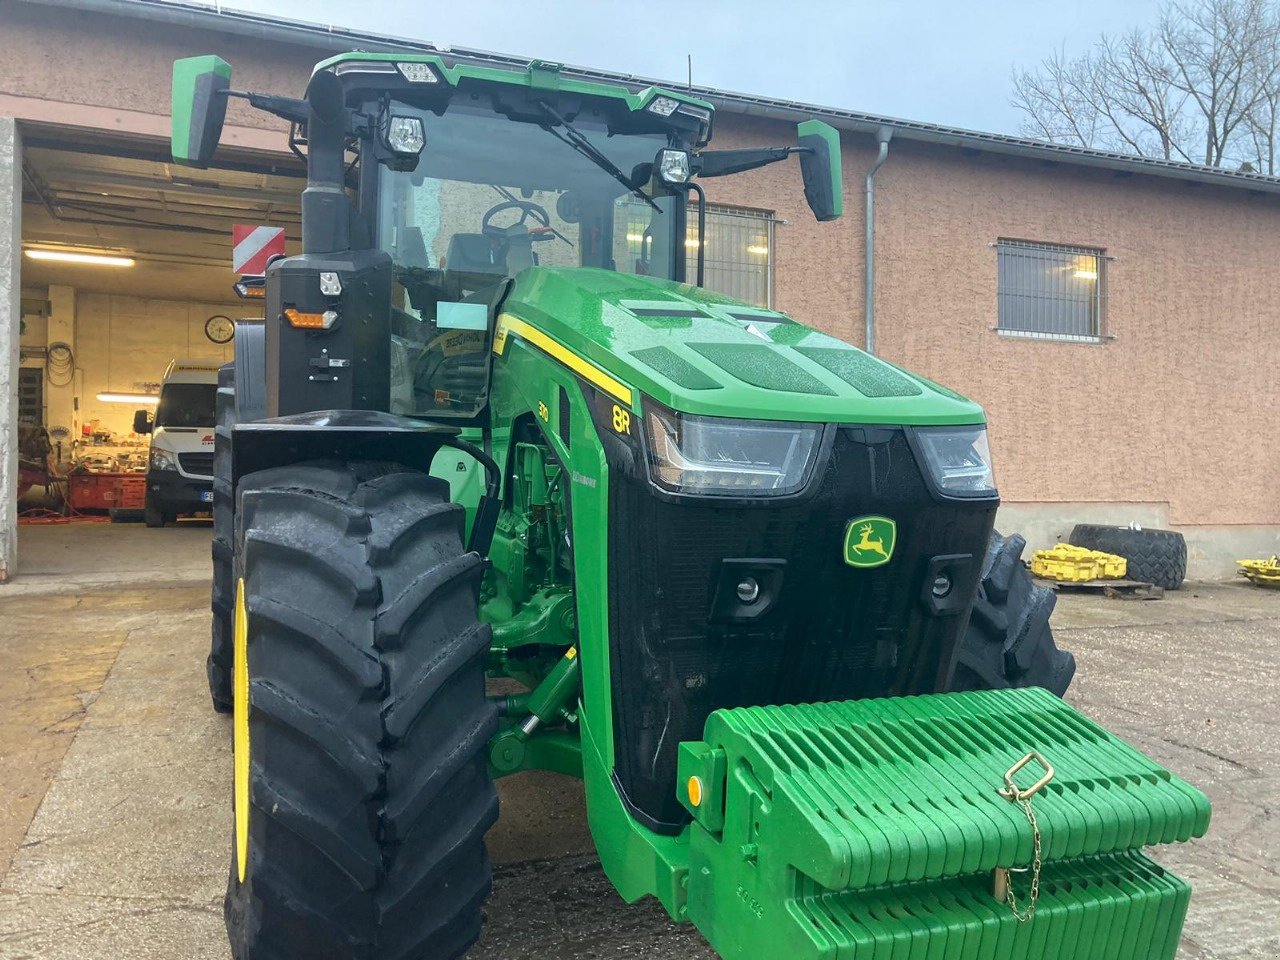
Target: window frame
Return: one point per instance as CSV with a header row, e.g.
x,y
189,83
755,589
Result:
x,y
1044,329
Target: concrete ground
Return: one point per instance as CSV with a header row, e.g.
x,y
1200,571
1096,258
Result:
x,y
114,772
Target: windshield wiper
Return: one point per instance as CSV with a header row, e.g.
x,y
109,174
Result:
x,y
576,139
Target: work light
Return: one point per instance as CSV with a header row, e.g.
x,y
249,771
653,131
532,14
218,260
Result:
x,y
417,72
672,166
405,135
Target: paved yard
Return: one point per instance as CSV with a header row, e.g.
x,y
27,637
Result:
x,y
114,813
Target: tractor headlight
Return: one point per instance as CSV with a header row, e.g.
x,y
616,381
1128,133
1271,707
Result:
x,y
715,456
163,460
959,459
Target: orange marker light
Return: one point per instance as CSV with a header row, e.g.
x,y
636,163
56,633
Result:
x,y
310,321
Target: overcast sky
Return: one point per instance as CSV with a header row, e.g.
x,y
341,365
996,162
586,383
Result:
x,y
943,61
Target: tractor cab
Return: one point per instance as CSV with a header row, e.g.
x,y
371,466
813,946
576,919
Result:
x,y
464,177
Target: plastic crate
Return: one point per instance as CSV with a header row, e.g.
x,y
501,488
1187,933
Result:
x,y
130,492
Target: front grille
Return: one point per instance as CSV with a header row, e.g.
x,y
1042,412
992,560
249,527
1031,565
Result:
x,y
836,632
196,464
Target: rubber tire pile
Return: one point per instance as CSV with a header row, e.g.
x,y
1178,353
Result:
x,y
1155,556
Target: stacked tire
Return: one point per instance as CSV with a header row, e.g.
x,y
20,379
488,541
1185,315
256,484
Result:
x,y
1008,642
1155,556
223,596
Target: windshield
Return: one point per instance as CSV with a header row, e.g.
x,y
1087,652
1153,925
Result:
x,y
186,405
491,197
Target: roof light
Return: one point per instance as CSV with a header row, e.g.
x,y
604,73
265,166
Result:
x,y
94,259
663,106
417,72
689,110
310,321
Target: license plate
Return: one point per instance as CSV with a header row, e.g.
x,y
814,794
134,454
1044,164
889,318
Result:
x,y
206,496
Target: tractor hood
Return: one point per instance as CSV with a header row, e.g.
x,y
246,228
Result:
x,y
704,353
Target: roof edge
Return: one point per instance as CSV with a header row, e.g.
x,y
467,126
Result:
x,y
338,39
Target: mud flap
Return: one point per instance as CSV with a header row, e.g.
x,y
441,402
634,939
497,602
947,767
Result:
x,y
885,828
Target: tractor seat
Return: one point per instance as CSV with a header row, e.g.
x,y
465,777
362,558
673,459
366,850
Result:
x,y
471,264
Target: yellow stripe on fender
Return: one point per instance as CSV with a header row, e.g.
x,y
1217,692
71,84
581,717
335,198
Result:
x,y
508,324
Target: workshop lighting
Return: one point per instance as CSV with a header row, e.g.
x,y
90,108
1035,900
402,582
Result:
x,y
134,398
94,259
1086,274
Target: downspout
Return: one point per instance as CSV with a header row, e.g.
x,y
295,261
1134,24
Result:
x,y
883,136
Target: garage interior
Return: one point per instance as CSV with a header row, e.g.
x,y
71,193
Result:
x,y
126,265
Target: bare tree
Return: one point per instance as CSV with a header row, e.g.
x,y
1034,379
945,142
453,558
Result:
x,y
1202,86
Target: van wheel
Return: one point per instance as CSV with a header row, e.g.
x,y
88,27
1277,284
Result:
x,y
361,722
153,517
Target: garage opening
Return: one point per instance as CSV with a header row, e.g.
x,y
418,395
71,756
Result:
x,y
126,275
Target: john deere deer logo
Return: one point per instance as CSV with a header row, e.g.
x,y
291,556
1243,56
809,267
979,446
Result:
x,y
869,541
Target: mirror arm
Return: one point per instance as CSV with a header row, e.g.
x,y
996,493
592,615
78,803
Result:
x,y
722,163
286,108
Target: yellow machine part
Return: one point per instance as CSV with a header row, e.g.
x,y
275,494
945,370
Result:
x,y
1265,573
1077,564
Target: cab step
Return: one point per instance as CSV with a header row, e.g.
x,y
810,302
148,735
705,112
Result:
x,y
889,828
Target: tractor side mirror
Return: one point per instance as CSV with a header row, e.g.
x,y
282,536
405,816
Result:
x,y
820,166
141,422
199,107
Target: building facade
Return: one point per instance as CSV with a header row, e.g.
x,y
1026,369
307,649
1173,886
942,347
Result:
x,y
1116,317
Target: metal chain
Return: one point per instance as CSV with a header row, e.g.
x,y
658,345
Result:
x,y
1010,897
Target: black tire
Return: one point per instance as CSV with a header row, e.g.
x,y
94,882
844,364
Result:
x,y
1155,556
368,722
222,598
154,517
1008,642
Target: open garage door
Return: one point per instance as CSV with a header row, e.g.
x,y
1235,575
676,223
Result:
x,y
125,269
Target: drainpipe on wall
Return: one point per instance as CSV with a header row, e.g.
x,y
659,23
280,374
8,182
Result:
x,y
883,136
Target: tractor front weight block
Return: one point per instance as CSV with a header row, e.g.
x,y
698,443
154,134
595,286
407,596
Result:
x,y
993,826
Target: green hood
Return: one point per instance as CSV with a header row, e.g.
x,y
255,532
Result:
x,y
705,353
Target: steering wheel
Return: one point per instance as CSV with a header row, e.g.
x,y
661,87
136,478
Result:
x,y
541,230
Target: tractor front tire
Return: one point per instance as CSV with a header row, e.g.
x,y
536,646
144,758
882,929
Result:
x,y
1008,642
218,665
362,725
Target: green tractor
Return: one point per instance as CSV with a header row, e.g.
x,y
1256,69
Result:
x,y
498,490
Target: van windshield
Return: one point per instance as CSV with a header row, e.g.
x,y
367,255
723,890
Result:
x,y
186,405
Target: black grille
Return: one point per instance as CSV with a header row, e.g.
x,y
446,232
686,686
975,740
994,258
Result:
x,y
196,464
835,633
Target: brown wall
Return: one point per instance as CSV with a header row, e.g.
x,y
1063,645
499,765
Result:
x,y
1178,409
1175,417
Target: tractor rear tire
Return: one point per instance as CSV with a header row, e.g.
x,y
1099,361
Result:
x,y
1155,556
365,783
1008,642
222,600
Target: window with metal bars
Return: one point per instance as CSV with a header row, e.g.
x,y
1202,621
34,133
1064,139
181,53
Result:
x,y
1050,291
739,248
739,252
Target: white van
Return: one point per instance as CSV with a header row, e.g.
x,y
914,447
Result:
x,y
180,466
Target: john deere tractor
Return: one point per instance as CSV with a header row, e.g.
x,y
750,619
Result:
x,y
500,490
